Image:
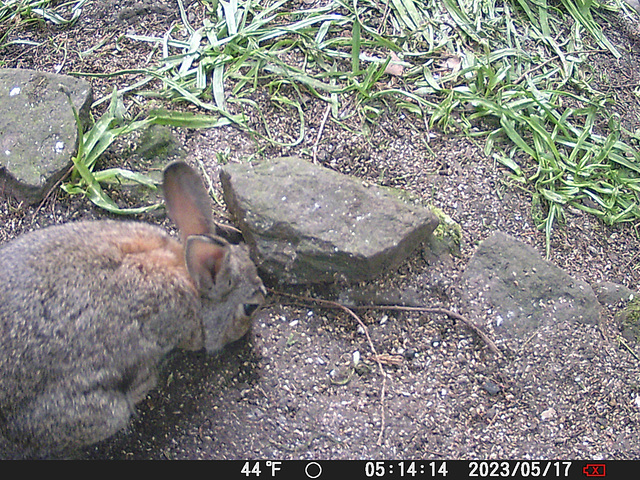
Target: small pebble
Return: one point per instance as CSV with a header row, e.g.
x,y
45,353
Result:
x,y
491,387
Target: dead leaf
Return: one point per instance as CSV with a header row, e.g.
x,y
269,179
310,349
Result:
x,y
394,67
453,63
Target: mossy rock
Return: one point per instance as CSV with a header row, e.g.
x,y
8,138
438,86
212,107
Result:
x,y
309,224
448,233
159,142
628,320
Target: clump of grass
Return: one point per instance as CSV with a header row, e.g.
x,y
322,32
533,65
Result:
x,y
541,122
258,44
92,144
14,12
515,73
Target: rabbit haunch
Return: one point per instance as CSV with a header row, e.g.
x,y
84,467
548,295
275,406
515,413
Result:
x,y
88,310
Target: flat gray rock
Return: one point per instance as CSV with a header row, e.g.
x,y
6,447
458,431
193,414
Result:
x,y
309,224
524,291
38,133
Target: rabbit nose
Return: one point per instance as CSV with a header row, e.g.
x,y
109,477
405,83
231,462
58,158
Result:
x,y
249,308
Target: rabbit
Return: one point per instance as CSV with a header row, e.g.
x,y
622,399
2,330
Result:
x,y
88,310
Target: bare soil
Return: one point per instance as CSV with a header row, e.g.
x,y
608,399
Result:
x,y
305,383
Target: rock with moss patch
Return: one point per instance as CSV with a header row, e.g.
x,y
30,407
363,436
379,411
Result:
x,y
447,237
309,224
448,234
628,320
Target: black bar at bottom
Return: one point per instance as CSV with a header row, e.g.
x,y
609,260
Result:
x,y
359,469
426,469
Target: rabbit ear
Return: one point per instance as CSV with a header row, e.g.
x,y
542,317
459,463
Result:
x,y
205,256
188,203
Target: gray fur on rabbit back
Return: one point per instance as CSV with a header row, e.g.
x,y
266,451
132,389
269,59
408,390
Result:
x,y
88,311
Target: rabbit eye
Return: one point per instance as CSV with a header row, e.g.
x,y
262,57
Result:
x,y
250,308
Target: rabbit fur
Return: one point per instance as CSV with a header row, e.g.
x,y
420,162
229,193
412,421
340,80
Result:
x,y
88,310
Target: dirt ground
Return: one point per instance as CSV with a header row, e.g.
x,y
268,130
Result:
x,y
305,384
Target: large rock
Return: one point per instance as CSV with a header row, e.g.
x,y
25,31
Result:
x,y
524,291
38,133
309,224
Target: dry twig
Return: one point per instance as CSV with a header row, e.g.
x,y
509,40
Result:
x,y
445,311
320,130
378,358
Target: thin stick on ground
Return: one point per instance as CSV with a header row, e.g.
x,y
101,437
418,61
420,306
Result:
x,y
441,310
349,310
377,360
331,304
445,311
322,124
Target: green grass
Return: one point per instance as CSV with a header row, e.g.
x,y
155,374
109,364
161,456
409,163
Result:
x,y
93,143
15,12
521,70
514,74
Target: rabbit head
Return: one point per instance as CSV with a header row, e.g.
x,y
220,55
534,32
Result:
x,y
223,273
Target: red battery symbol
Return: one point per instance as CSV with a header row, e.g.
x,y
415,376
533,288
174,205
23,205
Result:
x,y
594,470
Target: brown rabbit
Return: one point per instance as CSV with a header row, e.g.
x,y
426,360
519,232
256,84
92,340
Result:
x,y
88,309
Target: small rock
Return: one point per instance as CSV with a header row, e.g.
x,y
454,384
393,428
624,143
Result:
x,y
491,388
410,353
356,358
548,414
628,321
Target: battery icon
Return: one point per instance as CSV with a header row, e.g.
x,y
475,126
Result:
x,y
594,470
